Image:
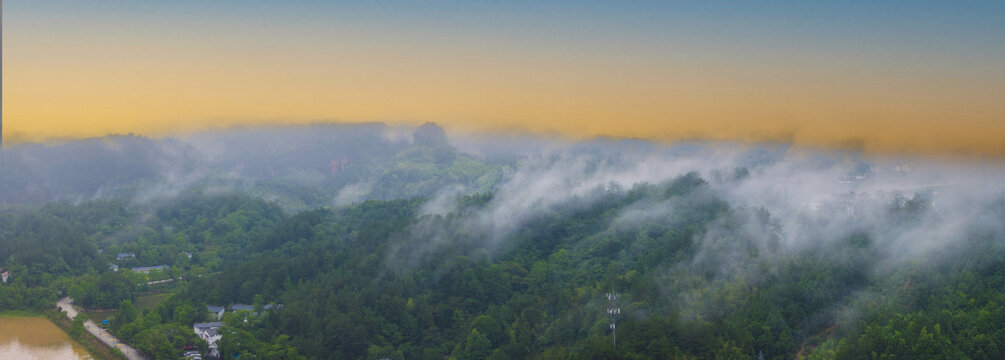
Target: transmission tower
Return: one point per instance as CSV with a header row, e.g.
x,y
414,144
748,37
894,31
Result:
x,y
613,311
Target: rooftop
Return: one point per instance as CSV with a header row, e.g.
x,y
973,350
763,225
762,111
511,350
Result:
x,y
209,325
148,268
237,307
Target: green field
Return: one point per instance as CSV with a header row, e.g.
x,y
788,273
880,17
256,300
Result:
x,y
98,316
147,301
19,313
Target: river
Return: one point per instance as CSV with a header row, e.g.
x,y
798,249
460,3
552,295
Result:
x,y
32,338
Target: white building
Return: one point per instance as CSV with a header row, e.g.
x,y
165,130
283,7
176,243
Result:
x,y
211,333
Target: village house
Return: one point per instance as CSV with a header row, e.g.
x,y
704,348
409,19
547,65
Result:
x,y
251,308
241,307
211,334
192,355
4,275
123,256
216,311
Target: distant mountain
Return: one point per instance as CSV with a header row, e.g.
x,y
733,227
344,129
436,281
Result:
x,y
81,169
301,166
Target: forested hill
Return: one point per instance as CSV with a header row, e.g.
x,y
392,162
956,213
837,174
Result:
x,y
717,251
299,167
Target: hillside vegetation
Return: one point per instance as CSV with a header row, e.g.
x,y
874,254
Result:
x,y
418,250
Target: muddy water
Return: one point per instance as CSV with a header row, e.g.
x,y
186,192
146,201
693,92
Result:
x,y
32,338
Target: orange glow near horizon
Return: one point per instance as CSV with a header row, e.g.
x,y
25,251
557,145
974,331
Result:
x,y
58,84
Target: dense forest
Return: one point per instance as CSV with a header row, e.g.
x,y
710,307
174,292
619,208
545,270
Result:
x,y
352,243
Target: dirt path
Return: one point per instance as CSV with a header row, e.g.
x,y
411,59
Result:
x,y
66,304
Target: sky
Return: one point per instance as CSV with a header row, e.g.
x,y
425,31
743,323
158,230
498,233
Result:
x,y
914,76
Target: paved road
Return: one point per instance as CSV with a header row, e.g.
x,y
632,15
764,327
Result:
x,y
67,305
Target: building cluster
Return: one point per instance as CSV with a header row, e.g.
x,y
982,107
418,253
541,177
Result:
x,y
210,331
140,269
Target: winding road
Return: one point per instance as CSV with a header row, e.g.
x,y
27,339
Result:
x,y
66,304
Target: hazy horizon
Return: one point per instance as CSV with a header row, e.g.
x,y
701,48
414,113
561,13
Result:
x,y
918,78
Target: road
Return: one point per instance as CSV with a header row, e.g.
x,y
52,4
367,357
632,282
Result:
x,y
159,282
66,304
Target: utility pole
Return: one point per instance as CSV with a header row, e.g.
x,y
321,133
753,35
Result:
x,y
613,311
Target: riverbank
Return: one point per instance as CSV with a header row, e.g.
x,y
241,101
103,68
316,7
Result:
x,y
98,349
